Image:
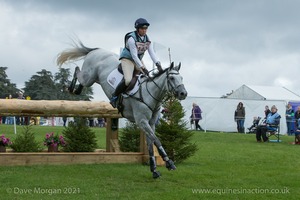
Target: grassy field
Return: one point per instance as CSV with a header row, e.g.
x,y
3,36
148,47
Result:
x,y
227,166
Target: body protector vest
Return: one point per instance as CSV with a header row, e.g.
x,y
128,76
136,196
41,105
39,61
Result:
x,y
141,44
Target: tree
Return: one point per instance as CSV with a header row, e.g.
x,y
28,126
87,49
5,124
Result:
x,y
173,134
130,138
6,87
79,137
61,79
41,86
62,82
26,142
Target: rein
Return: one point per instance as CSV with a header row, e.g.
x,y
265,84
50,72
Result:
x,y
141,99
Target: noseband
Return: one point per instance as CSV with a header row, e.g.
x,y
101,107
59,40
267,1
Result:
x,y
173,88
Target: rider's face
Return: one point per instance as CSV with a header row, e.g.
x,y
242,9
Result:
x,y
142,31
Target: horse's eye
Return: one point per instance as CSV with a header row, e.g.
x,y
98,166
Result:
x,y
172,78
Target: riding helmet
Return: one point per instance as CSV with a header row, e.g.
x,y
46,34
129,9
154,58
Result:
x,y
141,22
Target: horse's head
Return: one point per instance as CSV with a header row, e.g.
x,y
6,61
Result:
x,y
174,81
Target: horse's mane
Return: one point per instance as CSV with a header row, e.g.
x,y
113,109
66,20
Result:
x,y
158,74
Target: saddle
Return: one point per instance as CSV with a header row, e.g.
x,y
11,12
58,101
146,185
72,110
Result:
x,y
129,90
133,80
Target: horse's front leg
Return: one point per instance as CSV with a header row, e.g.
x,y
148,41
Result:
x,y
152,162
74,80
144,125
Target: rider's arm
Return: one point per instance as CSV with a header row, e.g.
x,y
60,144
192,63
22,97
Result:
x,y
134,53
152,53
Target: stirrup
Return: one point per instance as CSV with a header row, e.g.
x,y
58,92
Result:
x,y
113,101
114,98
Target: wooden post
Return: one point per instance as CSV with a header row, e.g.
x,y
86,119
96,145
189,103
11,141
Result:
x,y
144,149
112,136
158,159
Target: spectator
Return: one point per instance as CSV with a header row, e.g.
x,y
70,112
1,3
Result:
x,y
289,114
5,119
196,116
10,119
270,124
101,122
65,119
165,114
91,122
255,123
267,111
239,117
297,116
297,132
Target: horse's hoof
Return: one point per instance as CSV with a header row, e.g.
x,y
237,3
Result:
x,y
70,90
156,174
77,92
170,165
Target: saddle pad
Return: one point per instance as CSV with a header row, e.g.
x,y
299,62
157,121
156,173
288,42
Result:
x,y
115,77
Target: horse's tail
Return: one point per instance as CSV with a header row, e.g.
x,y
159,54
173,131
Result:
x,y
76,53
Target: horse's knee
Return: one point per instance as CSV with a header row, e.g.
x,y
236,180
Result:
x,y
144,123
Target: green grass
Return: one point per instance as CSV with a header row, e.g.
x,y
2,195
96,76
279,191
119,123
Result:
x,y
228,165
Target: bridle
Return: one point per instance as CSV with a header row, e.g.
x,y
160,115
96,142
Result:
x,y
169,83
170,86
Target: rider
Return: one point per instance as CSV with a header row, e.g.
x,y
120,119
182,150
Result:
x,y
136,43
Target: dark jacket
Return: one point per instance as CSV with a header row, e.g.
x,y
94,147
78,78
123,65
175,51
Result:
x,y
239,113
196,113
267,112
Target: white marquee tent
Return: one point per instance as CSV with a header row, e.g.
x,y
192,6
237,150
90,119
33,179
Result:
x,y
264,93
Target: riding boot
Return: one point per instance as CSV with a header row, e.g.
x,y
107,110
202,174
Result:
x,y
120,89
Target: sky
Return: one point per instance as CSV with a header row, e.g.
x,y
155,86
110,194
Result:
x,y
221,44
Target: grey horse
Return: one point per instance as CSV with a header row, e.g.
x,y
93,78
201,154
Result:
x,y
143,107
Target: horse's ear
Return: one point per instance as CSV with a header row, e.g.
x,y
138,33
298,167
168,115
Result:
x,y
178,67
172,65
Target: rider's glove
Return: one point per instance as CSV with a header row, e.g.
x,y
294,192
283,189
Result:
x,y
145,71
158,65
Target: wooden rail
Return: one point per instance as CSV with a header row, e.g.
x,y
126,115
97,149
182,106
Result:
x,y
57,108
